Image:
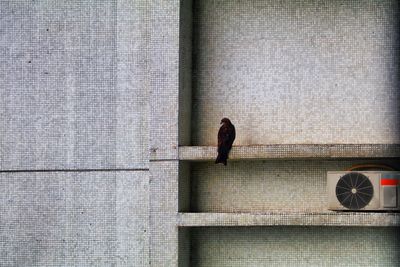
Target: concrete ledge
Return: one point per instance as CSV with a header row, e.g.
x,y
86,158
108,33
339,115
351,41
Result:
x,y
198,153
328,218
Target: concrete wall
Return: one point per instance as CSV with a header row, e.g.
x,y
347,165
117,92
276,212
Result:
x,y
295,246
74,92
74,218
290,72
97,96
296,72
74,133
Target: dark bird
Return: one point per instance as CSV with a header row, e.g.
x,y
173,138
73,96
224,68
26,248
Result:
x,y
226,136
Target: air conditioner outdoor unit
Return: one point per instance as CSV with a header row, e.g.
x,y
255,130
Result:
x,y
363,190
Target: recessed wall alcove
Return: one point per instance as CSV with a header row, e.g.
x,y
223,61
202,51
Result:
x,y
311,86
303,72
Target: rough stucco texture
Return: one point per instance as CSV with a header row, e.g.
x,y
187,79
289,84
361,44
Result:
x,y
296,71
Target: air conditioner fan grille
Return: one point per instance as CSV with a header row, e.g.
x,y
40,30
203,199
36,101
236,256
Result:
x,y
354,190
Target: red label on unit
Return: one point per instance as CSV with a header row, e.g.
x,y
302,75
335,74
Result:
x,y
389,181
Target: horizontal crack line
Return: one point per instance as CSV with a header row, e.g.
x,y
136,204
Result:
x,y
77,170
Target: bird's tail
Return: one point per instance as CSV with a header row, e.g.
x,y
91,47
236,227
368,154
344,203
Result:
x,y
221,158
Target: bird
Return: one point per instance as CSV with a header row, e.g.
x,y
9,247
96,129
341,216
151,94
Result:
x,y
226,136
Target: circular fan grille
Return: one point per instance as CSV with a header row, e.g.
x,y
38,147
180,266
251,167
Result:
x,y
354,190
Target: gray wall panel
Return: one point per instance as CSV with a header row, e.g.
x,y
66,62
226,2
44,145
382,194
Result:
x,y
74,219
164,78
74,93
297,72
132,219
165,59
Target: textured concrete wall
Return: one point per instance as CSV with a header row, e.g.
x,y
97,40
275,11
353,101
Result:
x,y
73,91
295,246
73,133
290,72
164,63
88,86
74,219
297,71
